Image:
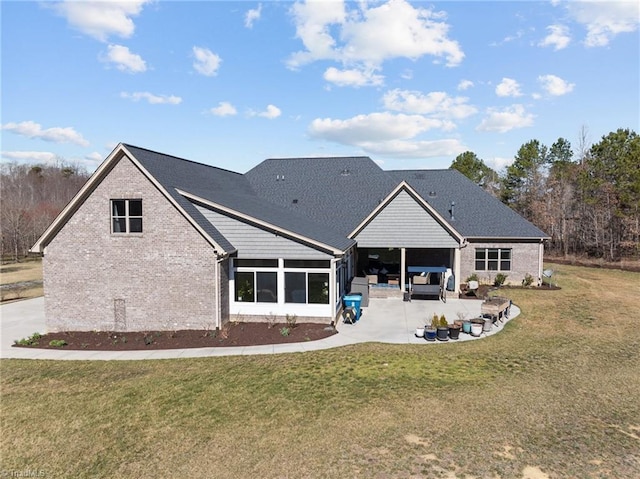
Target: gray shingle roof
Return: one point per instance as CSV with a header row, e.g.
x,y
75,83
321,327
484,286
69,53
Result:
x,y
336,192
324,199
341,192
476,213
231,190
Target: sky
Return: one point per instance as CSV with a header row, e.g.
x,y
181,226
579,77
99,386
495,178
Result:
x,y
411,84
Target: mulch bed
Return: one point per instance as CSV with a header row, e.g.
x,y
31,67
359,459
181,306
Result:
x,y
484,290
234,334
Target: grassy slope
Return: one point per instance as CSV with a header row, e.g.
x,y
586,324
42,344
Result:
x,y
554,395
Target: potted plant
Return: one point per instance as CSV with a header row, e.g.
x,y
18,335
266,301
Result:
x,y
488,323
431,331
420,332
454,330
443,329
476,326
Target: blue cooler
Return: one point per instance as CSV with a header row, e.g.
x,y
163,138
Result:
x,y
354,301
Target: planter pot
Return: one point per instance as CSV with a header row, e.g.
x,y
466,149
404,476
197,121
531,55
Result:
x,y
476,329
419,332
459,323
442,333
454,331
430,334
488,323
466,327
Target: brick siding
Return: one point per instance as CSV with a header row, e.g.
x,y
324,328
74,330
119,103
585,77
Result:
x,y
524,259
162,279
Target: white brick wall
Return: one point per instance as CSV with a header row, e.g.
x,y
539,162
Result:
x,y
164,278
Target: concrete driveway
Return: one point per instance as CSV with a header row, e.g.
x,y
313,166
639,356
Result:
x,y
384,321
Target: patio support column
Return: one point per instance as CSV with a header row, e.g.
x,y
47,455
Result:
x,y
403,268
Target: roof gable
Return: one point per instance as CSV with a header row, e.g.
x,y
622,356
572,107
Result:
x,y
120,152
404,219
475,214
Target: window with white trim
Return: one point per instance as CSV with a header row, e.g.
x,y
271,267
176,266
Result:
x,y
306,288
126,216
256,285
493,259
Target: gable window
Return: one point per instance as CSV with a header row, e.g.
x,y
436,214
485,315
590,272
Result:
x,y
493,259
126,216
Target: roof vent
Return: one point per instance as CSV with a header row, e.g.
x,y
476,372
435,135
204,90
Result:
x,y
453,204
295,201
279,177
345,172
432,194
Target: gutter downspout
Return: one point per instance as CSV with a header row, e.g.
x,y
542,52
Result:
x,y
216,297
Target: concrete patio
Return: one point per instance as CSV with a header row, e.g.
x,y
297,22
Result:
x,y
384,320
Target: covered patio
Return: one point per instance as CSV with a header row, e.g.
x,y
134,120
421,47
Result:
x,y
389,320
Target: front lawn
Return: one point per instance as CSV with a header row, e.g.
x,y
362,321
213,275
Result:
x,y
554,395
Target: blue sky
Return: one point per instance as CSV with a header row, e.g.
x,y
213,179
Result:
x,y
410,84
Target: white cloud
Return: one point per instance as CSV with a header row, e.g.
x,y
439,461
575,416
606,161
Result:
x,y
558,37
31,156
555,86
206,62
124,60
101,19
375,127
252,15
94,157
498,163
437,104
415,149
352,77
271,112
604,20
224,108
507,119
151,98
31,129
363,38
465,85
508,87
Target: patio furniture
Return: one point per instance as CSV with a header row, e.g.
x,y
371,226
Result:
x,y
429,281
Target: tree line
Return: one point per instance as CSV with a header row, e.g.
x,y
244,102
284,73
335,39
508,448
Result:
x,y
31,198
587,200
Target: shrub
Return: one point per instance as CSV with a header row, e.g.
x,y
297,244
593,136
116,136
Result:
x,y
443,321
30,341
473,277
500,279
291,320
271,320
285,331
527,281
435,321
148,339
57,343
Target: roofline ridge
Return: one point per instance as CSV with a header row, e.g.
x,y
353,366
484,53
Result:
x,y
127,145
320,158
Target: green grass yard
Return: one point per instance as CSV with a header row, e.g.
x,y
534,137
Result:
x,y
554,395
